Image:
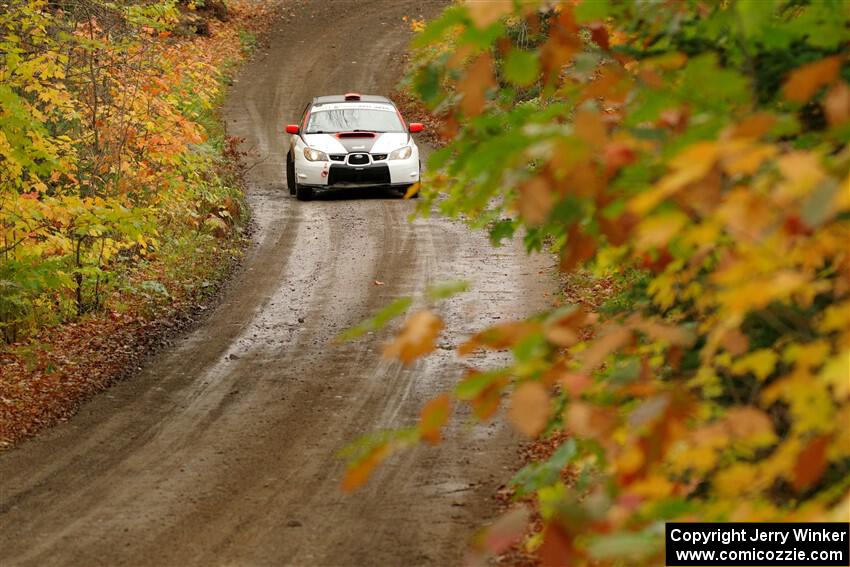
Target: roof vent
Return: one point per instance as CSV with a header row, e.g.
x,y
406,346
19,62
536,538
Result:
x,y
352,96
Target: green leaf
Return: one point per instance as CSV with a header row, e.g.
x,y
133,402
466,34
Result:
x,y
592,10
627,546
522,67
534,476
444,290
502,230
384,316
470,387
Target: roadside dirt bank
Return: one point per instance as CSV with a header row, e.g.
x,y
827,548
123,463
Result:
x,y
223,450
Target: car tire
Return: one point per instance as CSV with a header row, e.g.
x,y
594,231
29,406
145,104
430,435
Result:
x,y
290,174
304,193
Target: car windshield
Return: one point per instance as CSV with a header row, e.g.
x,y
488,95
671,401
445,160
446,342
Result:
x,y
351,118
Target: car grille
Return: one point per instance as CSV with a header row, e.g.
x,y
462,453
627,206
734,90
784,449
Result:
x,y
373,175
358,159
338,157
379,157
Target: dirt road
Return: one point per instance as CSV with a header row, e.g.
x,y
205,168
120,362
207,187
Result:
x,y
222,451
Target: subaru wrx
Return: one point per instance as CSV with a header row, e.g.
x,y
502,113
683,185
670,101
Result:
x,y
351,141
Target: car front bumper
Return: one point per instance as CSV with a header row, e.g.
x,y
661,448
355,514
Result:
x,y
384,173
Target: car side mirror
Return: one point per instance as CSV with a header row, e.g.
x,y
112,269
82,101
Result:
x,y
292,129
415,127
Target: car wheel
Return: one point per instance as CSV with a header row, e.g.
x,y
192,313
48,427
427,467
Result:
x,y
304,193
290,174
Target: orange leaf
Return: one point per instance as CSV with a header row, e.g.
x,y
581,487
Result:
x,y
530,406
564,331
673,334
506,530
754,126
805,81
749,423
535,200
557,548
586,420
418,337
575,384
735,342
611,84
614,338
485,12
617,156
562,44
599,35
590,128
433,417
747,160
579,248
498,337
486,403
479,77
837,104
357,475
811,463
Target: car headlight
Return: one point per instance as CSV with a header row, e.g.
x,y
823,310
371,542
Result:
x,y
315,155
402,153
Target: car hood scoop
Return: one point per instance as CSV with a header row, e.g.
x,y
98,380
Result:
x,y
355,135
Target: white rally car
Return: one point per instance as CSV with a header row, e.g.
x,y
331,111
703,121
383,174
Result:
x,y
351,141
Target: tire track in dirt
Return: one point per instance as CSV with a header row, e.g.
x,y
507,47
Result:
x,y
222,452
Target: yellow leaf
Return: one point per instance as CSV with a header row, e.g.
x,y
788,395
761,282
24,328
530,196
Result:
x,y
836,373
530,407
658,230
412,190
809,355
759,363
835,317
630,460
737,480
748,160
802,170
697,158
654,487
689,166
759,292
